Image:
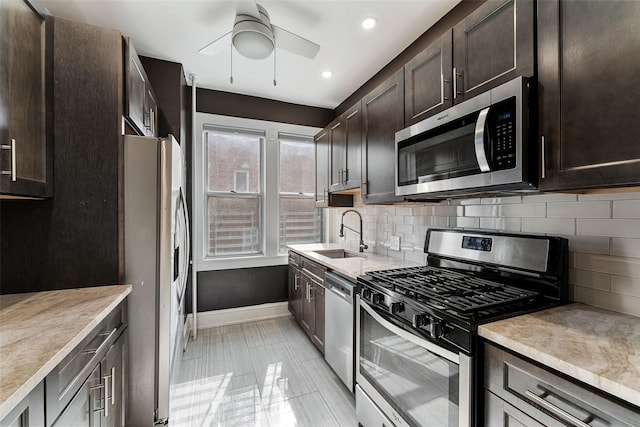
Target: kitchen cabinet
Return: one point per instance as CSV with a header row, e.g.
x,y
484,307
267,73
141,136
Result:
x,y
25,147
383,116
295,286
427,81
87,388
29,412
492,45
589,86
312,306
141,108
323,197
345,134
519,392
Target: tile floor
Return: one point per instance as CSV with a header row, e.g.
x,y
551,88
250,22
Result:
x,y
265,373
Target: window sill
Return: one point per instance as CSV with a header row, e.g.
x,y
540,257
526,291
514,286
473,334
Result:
x,y
240,262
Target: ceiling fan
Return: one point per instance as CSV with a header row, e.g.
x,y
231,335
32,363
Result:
x,y
255,37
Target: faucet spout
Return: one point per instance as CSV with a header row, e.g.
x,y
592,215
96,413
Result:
x,y
362,246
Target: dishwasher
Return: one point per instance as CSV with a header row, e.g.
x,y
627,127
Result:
x,y
339,321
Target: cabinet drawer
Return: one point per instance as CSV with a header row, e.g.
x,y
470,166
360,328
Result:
x,y
314,268
531,389
68,377
294,259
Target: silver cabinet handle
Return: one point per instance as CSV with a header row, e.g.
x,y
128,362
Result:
x,y
544,166
455,82
553,408
12,148
345,175
296,284
113,385
442,93
106,398
310,293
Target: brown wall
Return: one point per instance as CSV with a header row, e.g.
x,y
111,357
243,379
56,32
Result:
x,y
252,107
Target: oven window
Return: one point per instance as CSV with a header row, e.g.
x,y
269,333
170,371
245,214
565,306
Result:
x,y
420,385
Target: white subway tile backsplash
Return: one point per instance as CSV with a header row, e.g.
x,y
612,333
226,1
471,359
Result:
x,y
609,227
626,209
603,232
549,225
625,247
504,224
625,285
481,210
629,267
526,210
595,209
549,197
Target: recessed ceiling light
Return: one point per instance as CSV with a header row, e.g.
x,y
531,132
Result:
x,y
327,74
369,22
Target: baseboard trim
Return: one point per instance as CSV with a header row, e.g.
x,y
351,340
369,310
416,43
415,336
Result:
x,y
232,316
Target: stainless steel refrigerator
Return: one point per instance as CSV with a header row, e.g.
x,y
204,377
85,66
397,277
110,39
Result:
x,y
156,236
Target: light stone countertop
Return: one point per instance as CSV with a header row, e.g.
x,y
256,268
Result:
x,y
352,266
596,346
38,330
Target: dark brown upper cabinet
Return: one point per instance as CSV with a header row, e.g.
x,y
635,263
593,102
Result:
x,y
493,45
25,149
427,81
346,139
589,87
140,106
324,198
383,116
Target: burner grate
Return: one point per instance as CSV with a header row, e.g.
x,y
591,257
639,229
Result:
x,y
446,289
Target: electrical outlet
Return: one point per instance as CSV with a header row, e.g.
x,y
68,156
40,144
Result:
x,y
394,243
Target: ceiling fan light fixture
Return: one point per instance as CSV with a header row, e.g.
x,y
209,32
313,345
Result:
x,y
369,22
253,44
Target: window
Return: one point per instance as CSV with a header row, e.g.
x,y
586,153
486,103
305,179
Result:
x,y
234,202
300,221
253,188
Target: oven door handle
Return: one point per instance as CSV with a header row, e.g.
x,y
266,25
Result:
x,y
479,138
427,345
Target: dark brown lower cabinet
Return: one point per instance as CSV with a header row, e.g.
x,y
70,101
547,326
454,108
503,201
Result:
x,y
29,412
306,297
295,286
318,306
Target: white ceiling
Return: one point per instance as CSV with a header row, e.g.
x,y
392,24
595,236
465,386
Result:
x,y
175,30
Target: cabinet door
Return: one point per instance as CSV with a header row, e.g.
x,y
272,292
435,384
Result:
x,y
85,408
25,154
589,86
353,142
136,90
493,45
114,381
29,412
338,156
499,413
295,292
383,112
307,320
427,81
322,169
317,297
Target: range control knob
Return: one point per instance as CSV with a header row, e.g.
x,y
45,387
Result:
x,y
418,320
366,293
396,307
435,329
377,298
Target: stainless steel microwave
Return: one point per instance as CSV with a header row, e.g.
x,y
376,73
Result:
x,y
480,145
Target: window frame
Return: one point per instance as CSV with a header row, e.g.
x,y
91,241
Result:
x,y
270,191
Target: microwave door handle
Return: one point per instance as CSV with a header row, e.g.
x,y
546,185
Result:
x,y
481,154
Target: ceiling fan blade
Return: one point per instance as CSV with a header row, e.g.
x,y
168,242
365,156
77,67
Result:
x,y
294,43
247,7
218,45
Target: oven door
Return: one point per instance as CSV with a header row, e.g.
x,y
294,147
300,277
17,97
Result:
x,y
413,381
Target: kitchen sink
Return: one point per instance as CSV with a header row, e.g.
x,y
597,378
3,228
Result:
x,y
337,253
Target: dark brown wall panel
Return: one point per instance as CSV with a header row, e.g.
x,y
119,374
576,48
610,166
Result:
x,y
251,107
241,287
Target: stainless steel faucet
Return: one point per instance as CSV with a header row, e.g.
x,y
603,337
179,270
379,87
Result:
x,y
362,246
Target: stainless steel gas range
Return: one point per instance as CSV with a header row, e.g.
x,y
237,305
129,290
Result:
x,y
418,358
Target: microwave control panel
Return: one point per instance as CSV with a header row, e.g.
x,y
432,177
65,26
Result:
x,y
503,135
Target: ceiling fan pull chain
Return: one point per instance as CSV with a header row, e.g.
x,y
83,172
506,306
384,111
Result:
x,y
231,61
274,68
